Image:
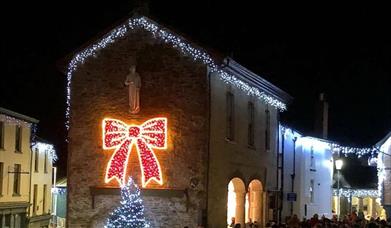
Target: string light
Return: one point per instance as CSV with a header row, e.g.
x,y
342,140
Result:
x,y
131,211
59,191
46,148
176,42
14,121
357,193
121,137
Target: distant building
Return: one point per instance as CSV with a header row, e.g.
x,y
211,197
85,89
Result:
x,y
59,200
384,171
307,175
42,158
25,173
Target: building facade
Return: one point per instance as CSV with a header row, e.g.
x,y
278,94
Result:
x,y
384,171
199,158
307,175
15,157
23,167
40,209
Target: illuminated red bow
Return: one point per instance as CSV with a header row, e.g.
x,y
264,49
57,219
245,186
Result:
x,y
151,134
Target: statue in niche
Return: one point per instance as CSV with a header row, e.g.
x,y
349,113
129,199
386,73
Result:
x,y
133,81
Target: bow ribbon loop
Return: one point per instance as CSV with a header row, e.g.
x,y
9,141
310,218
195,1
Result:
x,y
117,135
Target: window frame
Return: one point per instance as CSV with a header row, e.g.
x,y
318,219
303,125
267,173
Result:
x,y
230,116
18,138
251,123
17,179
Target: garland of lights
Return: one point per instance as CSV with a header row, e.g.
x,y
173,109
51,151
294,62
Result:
x,y
121,137
356,193
131,211
59,191
47,148
176,42
12,120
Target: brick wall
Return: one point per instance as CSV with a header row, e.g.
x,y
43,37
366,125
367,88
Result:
x,y
173,86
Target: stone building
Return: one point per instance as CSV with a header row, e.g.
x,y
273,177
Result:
x,y
204,128
384,171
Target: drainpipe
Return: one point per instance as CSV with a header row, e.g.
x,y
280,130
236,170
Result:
x,y
278,159
282,178
293,171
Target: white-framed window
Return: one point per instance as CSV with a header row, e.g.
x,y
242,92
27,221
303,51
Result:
x,y
312,191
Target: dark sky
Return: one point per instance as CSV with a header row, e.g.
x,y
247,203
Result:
x,y
304,49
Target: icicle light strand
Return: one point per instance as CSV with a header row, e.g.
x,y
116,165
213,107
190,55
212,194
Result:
x,y
176,42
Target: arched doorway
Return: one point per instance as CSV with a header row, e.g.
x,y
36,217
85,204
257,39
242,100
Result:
x,y
255,202
236,201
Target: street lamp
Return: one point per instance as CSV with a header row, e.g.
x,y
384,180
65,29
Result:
x,y
338,166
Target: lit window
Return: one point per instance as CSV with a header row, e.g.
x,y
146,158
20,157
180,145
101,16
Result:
x,y
312,191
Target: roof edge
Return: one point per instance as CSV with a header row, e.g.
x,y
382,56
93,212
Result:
x,y
257,80
18,115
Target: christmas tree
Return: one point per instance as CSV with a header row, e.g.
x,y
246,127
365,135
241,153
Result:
x,y
131,211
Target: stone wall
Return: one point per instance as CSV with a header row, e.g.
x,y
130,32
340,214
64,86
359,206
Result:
x,y
173,86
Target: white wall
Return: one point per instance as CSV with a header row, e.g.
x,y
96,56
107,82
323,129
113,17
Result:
x,y
320,173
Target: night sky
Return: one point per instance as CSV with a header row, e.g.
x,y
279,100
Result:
x,y
303,49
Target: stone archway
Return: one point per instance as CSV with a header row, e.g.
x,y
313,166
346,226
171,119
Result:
x,y
236,201
255,202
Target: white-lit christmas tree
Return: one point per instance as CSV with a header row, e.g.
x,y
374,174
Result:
x,y
131,212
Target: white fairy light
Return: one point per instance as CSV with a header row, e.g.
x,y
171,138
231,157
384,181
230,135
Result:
x,y
12,120
357,193
176,42
46,148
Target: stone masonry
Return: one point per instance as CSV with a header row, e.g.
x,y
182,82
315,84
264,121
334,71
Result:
x,y
173,86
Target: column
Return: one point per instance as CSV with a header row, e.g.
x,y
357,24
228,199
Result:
x,y
373,207
240,207
360,206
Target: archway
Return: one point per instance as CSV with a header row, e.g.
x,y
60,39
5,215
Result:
x,y
236,201
255,202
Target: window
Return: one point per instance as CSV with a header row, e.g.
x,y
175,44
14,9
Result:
x,y
250,128
1,135
1,177
44,199
267,130
230,116
35,194
18,139
45,164
312,161
36,160
17,172
312,191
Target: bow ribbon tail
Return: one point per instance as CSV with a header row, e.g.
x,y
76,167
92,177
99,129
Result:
x,y
149,164
116,168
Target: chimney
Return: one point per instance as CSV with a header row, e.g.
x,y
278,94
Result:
x,y
322,117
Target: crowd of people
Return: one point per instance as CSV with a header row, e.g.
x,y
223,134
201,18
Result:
x,y
349,221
